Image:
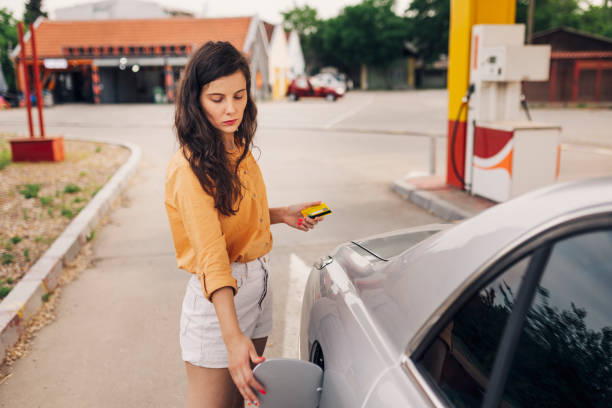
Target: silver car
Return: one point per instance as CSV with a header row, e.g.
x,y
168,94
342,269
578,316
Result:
x,y
510,308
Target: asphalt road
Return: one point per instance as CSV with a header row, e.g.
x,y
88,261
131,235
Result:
x,y
115,341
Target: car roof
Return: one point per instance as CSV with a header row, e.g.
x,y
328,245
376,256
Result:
x,y
415,283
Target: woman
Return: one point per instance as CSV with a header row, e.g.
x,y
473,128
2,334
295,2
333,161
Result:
x,y
220,221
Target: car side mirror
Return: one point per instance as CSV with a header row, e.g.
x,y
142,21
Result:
x,y
289,383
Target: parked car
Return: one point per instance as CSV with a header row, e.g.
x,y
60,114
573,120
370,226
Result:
x,y
11,99
510,308
303,87
329,80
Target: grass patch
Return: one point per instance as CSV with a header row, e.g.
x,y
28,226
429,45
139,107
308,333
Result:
x,y
98,188
16,239
26,254
7,258
10,281
4,291
91,235
67,212
30,190
25,214
98,149
71,188
46,201
5,157
42,240
78,200
82,174
45,297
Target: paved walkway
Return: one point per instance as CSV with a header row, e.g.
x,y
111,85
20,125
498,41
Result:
x,y
115,341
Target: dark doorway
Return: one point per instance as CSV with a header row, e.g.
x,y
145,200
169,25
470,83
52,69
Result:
x,y
73,87
127,86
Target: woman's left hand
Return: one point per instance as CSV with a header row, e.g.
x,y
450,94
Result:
x,y
294,218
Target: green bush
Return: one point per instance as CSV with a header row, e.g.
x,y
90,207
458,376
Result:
x,y
72,188
67,212
10,281
4,291
15,240
30,190
78,200
46,296
7,258
46,200
26,254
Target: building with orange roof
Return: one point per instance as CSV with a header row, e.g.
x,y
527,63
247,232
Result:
x,y
135,60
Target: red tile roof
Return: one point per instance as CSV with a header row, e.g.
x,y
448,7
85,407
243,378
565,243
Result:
x,y
53,36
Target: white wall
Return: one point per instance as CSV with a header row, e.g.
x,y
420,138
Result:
x,y
296,56
278,59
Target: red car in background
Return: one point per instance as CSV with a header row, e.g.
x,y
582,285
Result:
x,y
303,87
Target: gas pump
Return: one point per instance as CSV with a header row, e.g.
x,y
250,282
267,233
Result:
x,y
507,154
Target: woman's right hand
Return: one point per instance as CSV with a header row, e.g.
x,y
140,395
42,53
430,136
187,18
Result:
x,y
241,352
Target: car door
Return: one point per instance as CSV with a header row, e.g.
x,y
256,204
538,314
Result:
x,y
536,330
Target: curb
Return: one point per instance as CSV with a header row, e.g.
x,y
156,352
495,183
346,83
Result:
x,y
43,277
429,201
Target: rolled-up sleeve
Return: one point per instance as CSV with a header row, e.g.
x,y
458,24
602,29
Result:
x,y
200,219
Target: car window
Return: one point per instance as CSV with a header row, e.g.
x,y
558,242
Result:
x,y
461,357
564,355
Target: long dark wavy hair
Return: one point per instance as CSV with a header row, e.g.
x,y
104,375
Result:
x,y
200,141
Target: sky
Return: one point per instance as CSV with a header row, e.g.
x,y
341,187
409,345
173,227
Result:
x,y
269,10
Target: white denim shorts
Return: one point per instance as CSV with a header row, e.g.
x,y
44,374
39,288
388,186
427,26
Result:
x,y
200,334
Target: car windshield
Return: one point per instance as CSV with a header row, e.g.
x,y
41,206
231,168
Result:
x,y
393,244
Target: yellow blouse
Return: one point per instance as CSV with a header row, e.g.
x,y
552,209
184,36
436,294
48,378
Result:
x,y
205,241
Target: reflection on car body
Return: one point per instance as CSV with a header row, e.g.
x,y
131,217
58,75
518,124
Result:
x,y
510,308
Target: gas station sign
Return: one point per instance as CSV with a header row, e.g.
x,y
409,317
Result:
x,y
55,63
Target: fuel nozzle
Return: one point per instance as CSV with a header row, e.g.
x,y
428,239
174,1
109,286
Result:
x,y
525,107
468,94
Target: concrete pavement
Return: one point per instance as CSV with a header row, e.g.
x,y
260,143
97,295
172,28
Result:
x,y
115,341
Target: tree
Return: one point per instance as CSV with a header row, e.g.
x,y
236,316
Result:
x,y
367,33
597,20
429,27
305,22
33,10
8,41
550,14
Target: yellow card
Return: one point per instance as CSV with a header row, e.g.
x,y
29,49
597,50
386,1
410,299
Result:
x,y
316,211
